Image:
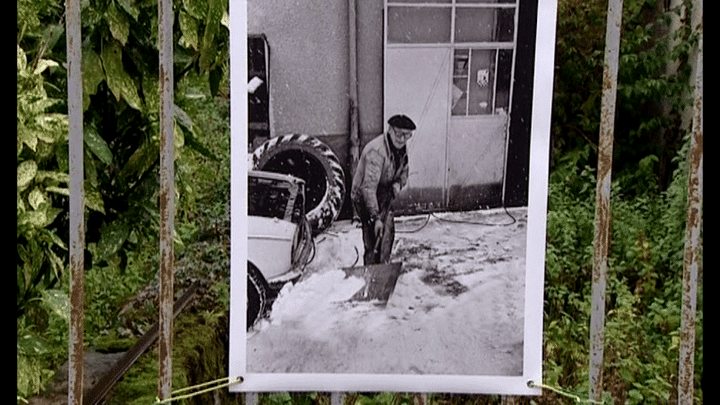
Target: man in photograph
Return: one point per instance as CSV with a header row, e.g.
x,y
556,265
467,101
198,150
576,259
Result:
x,y
381,173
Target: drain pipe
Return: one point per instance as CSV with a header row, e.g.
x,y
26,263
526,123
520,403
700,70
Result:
x,y
353,85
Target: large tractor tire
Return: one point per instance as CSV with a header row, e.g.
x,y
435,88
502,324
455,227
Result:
x,y
308,158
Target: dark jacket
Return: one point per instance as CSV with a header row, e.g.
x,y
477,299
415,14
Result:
x,y
379,170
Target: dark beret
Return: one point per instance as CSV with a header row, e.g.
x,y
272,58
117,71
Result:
x,y
401,121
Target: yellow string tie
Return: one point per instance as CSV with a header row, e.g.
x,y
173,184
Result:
x,y
563,393
216,384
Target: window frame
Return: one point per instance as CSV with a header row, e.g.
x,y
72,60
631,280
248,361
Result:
x,y
454,5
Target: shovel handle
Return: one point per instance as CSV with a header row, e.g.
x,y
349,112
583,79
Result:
x,y
378,242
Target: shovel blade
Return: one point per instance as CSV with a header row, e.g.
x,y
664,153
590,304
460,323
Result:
x,y
380,280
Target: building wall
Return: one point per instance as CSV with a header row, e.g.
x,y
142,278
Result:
x,y
370,67
309,76
308,63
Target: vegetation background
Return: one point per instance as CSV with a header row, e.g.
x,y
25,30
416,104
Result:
x,y
120,70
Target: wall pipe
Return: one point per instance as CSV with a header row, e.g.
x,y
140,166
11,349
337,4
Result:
x,y
353,86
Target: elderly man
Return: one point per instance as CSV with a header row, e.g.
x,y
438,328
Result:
x,y
381,173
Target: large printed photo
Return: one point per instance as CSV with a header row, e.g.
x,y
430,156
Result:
x,y
389,182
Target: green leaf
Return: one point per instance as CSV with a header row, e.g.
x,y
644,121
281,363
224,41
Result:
x,y
44,64
37,198
26,136
57,302
97,145
196,8
121,84
30,344
151,94
129,7
37,219
212,23
178,137
21,60
58,190
140,161
112,237
225,20
93,197
189,29
92,74
52,175
119,26
26,173
192,142
54,127
215,77
182,117
40,105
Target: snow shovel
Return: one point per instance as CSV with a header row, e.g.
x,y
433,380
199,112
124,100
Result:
x,y
380,279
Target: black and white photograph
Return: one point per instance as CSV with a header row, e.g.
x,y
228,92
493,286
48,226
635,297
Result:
x,y
389,182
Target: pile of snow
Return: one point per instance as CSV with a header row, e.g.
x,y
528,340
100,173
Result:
x,y
457,307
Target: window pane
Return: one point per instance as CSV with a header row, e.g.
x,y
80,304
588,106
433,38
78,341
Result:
x,y
504,73
429,25
484,24
461,62
461,70
474,24
459,96
505,29
482,79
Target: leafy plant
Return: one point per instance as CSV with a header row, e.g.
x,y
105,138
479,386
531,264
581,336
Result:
x,y
39,134
121,138
653,88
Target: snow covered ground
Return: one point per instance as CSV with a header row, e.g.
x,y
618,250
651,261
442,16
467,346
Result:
x,y
457,308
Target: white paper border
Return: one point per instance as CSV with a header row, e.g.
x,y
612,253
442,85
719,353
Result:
x,y
535,253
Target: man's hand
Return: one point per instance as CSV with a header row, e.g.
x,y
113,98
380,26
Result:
x,y
379,226
396,187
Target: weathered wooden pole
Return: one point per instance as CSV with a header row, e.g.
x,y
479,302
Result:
x,y
602,204
167,198
691,263
76,362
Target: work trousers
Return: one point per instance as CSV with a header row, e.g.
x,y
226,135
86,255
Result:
x,y
377,251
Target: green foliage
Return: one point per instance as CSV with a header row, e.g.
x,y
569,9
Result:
x,y
121,104
653,88
41,251
644,286
121,139
39,133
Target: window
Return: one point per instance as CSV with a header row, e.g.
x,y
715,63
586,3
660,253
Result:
x,y
482,35
486,24
481,81
419,25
